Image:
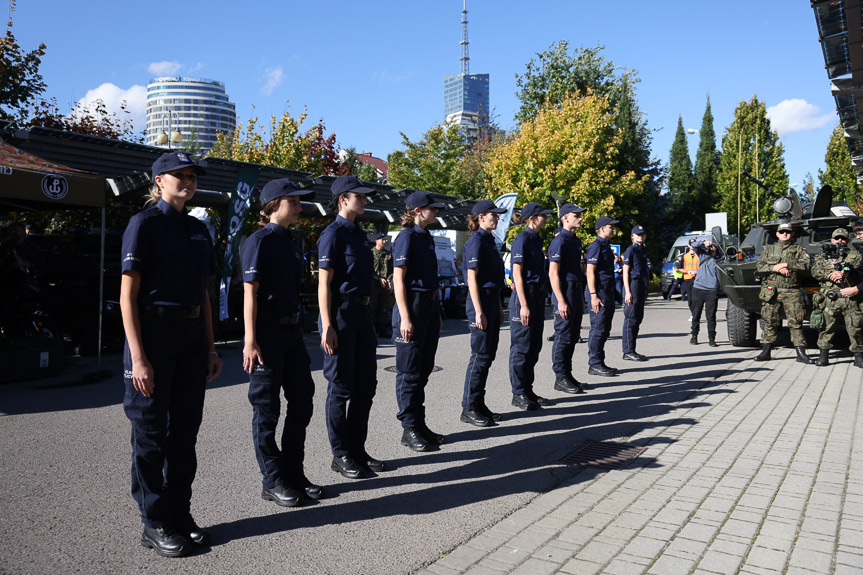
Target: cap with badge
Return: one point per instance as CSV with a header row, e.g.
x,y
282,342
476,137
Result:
x,y
345,184
170,161
419,199
785,227
486,207
638,230
275,189
533,209
570,209
840,233
379,236
604,221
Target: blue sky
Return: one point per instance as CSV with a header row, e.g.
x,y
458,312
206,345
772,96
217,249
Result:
x,y
374,69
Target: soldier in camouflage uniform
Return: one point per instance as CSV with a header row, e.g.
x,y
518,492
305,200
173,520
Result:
x,y
834,303
382,287
779,266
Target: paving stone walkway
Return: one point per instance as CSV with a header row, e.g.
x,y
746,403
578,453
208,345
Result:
x,y
768,479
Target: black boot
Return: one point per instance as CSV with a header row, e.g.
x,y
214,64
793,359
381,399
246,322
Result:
x,y
858,359
823,356
694,339
765,352
801,355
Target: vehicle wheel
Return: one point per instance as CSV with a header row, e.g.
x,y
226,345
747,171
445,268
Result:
x,y
741,326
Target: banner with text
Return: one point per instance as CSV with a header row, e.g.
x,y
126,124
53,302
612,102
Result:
x,y
238,209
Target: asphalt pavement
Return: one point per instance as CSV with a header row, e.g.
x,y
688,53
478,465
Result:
x,y
64,472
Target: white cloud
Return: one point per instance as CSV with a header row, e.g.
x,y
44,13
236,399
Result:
x,y
113,96
196,68
387,77
796,115
164,68
274,77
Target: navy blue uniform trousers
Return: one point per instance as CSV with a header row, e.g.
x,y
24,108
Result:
x,y
415,358
567,331
600,326
483,347
525,340
285,370
352,375
165,425
634,314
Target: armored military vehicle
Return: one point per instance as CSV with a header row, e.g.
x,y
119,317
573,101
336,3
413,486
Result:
x,y
737,276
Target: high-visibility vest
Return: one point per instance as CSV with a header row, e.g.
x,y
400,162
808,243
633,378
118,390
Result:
x,y
690,265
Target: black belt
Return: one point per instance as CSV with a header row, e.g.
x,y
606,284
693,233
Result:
x,y
356,299
291,319
430,295
170,312
489,291
534,288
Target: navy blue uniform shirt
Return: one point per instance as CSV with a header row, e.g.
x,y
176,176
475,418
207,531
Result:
x,y
600,254
343,248
481,253
635,257
565,249
527,251
270,258
173,253
414,248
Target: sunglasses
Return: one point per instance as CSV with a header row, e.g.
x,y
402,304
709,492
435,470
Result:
x,y
785,232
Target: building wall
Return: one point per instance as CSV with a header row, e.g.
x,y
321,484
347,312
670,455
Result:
x,y
193,104
466,93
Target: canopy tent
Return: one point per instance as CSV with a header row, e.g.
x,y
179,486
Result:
x,y
28,182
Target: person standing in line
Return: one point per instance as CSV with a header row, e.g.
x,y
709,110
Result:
x,y
382,287
566,276
527,307
636,275
274,354
345,267
689,265
416,318
484,276
705,292
854,290
169,355
780,265
600,283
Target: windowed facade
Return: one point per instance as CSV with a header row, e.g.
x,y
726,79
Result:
x,y
465,93
198,108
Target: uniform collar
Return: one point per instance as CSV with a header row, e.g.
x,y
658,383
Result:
x,y
530,232
419,230
785,242
602,240
566,233
170,212
277,229
484,234
345,223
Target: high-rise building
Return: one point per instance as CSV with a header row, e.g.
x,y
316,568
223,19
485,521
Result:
x,y
197,108
466,95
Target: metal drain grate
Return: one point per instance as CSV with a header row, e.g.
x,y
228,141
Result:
x,y
392,368
603,454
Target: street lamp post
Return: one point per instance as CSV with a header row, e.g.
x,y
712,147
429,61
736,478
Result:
x,y
176,135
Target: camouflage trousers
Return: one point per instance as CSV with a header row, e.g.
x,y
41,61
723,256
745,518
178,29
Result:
x,y
850,310
787,302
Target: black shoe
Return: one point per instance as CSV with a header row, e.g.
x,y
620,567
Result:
x,y
693,340
524,403
283,496
712,343
801,355
765,353
474,417
550,338
197,535
431,436
413,439
539,400
165,541
370,463
566,385
602,370
483,409
347,467
823,358
582,384
633,356
858,359
312,491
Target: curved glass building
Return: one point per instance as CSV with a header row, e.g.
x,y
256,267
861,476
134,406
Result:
x,y
198,108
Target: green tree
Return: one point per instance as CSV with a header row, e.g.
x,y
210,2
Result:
x,y
706,164
368,173
431,164
750,132
351,162
681,182
569,153
838,172
21,84
808,191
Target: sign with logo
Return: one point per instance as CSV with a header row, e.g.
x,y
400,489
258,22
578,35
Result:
x,y
238,209
55,187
